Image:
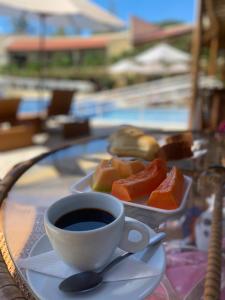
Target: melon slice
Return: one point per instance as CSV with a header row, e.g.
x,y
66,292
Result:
x,y
141,183
127,168
169,193
104,176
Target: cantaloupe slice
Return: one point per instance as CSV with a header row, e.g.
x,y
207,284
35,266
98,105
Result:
x,y
104,176
169,193
127,168
141,183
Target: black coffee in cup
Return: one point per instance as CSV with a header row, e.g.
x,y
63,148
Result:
x,y
84,219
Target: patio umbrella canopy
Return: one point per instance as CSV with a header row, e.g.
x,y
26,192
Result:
x,y
124,66
163,53
128,66
81,13
162,59
159,69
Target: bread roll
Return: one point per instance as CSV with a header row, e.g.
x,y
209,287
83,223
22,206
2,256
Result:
x,y
131,141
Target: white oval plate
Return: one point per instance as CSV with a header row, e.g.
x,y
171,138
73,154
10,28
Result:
x,y
46,287
84,185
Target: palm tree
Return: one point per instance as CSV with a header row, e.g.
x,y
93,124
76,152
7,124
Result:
x,y
20,24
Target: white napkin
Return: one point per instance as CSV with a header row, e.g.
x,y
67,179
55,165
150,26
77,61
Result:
x,y
50,264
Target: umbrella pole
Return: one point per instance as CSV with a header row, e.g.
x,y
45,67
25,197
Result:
x,y
41,58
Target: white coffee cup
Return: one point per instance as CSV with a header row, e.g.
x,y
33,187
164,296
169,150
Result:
x,y
88,250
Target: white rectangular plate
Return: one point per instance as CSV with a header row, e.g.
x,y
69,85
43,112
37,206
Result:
x,y
150,215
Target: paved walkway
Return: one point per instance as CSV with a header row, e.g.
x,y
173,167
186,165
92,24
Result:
x,y
43,143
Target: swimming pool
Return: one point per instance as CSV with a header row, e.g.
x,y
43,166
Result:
x,y
108,114
160,117
163,114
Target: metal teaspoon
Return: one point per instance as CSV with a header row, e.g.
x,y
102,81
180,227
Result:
x,y
85,281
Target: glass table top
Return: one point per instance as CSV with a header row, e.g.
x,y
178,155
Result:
x,y
45,182
49,180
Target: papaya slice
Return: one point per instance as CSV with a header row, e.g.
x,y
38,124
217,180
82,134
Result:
x,y
141,183
169,193
127,168
104,176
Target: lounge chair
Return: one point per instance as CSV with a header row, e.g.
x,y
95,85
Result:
x,y
9,113
60,105
9,109
16,137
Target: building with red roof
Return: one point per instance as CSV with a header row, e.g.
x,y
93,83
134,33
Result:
x,y
32,44
23,49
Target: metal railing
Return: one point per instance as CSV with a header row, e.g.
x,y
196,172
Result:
x,y
174,90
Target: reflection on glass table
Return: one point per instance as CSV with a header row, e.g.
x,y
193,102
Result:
x,y
51,179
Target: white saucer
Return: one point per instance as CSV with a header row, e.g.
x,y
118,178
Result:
x,y
46,287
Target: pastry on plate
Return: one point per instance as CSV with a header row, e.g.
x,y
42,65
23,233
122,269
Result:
x,y
180,137
175,151
132,141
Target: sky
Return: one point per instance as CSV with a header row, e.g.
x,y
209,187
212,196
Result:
x,y
153,10
149,10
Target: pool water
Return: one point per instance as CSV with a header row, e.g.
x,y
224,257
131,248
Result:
x,y
32,106
162,114
109,114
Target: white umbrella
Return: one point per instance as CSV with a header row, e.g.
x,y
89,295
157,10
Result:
x,y
123,66
81,13
162,53
127,66
154,69
179,68
163,69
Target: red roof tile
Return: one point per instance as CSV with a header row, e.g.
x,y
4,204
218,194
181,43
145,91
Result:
x,y
142,32
162,33
139,27
28,44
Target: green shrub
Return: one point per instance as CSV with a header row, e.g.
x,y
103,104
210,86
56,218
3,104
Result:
x,y
61,59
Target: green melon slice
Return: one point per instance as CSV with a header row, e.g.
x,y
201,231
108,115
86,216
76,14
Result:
x,y
104,176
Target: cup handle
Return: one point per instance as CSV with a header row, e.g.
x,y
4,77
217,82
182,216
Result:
x,y
134,246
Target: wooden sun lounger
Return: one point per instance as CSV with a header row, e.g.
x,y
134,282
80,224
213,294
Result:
x,y
9,109
15,137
